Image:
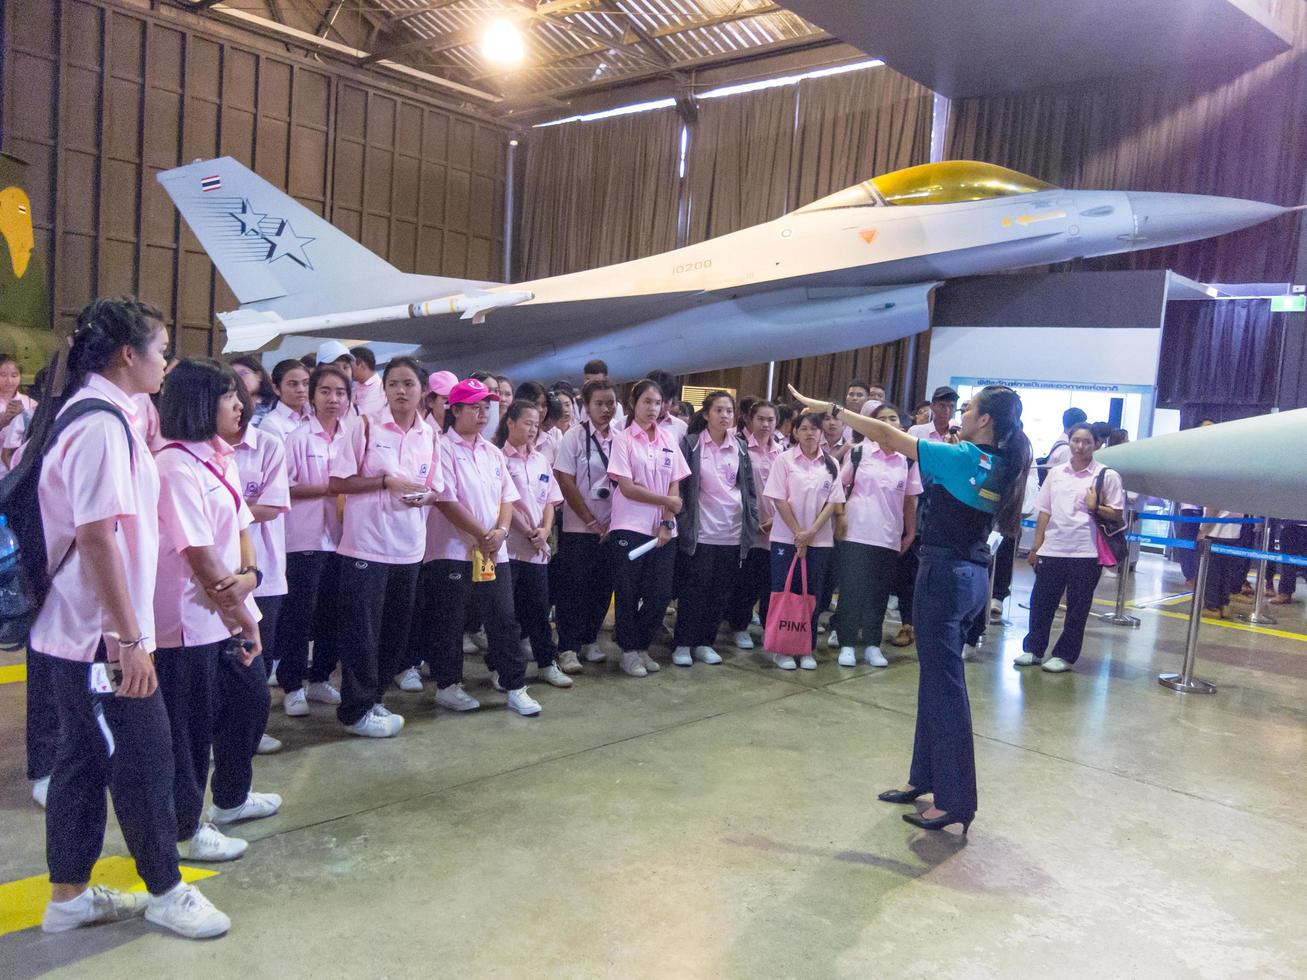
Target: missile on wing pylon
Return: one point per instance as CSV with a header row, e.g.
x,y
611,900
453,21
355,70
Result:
x,y
1253,466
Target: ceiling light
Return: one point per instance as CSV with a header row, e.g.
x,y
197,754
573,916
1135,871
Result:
x,y
503,44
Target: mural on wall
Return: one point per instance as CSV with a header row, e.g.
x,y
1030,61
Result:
x,y
25,326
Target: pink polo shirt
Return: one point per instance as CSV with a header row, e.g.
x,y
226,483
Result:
x,y
582,458
197,509
654,464
1070,531
808,486
536,489
927,431
261,462
721,504
370,397
673,425
379,526
547,444
313,523
282,421
762,458
473,473
874,506
13,434
87,477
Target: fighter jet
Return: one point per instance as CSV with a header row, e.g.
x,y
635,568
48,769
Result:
x,y
852,269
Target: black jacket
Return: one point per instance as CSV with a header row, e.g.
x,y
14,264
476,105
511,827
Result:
x,y
687,524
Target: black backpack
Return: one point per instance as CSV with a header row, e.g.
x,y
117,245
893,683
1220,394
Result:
x,y
1041,463
25,577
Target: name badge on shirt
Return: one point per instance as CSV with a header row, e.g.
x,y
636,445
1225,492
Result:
x,y
667,457
251,489
985,464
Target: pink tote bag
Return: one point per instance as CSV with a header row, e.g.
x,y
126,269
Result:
x,y
789,616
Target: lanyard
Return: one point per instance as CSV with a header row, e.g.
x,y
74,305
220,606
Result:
x,y
235,497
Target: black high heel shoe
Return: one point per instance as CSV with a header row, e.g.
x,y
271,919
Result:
x,y
902,795
940,822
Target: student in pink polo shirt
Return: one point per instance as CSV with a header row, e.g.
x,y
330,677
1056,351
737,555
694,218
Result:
x,y
99,493
647,466
261,464
387,470
878,524
804,487
528,534
313,529
583,568
213,685
367,391
718,524
752,587
474,513
290,378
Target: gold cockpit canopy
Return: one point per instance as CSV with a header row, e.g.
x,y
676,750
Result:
x,y
950,182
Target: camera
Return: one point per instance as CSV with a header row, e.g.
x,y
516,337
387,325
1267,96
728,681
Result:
x,y
600,493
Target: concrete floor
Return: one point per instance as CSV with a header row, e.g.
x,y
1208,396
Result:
x,y
721,821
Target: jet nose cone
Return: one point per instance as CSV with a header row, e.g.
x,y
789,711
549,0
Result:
x,y
1168,219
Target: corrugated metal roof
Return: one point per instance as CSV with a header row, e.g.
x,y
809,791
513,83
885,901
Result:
x,y
578,44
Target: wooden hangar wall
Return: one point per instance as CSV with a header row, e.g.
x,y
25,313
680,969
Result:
x,y
100,95
609,190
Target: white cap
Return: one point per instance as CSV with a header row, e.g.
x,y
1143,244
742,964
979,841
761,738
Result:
x,y
333,350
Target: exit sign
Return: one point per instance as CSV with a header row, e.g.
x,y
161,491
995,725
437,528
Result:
x,y
1289,304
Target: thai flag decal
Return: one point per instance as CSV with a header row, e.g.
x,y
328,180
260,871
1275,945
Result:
x,y
211,183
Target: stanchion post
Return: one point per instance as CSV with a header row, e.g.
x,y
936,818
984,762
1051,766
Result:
x,y
1119,617
1259,616
1185,682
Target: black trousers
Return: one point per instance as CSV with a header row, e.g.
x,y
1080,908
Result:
x,y
1225,577
1293,541
531,609
752,587
1187,557
42,716
313,589
270,607
375,610
952,593
422,626
905,582
1077,577
582,588
136,768
641,588
819,578
705,579
1003,562
214,703
866,574
455,595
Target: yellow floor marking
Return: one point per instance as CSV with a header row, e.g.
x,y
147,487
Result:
x,y
22,902
13,674
1208,621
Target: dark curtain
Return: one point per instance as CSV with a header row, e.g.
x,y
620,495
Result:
x,y
1189,132
1219,359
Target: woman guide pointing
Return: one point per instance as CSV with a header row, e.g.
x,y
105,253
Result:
x,y
978,484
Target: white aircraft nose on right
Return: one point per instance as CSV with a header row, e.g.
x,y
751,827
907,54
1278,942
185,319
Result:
x,y
1169,219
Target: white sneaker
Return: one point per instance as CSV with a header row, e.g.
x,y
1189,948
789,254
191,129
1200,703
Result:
x,y
681,657
323,692
569,663
996,612
469,647
272,678
707,655
522,702
375,724
1056,665
593,654
188,913
808,663
1028,660
410,681
754,620
742,640
848,657
553,675
893,603
41,790
969,651
633,664
92,907
874,657
268,745
456,699
494,682
650,664
832,640
210,844
479,639
296,704
783,662
256,807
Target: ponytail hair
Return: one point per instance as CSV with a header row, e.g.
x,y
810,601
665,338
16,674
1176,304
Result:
x,y
104,327
699,421
1003,406
511,414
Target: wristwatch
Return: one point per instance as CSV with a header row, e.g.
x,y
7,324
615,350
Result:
x,y
258,575
669,524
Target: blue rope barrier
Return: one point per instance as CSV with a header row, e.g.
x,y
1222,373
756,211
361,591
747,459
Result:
x,y
1164,542
1186,519
1227,549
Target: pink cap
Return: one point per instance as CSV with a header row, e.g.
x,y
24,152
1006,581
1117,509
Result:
x,y
469,392
441,382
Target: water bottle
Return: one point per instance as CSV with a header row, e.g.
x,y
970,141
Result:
x,y
13,600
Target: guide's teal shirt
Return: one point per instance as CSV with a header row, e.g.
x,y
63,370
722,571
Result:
x,y
968,484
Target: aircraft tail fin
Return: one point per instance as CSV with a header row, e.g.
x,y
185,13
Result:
x,y
265,243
